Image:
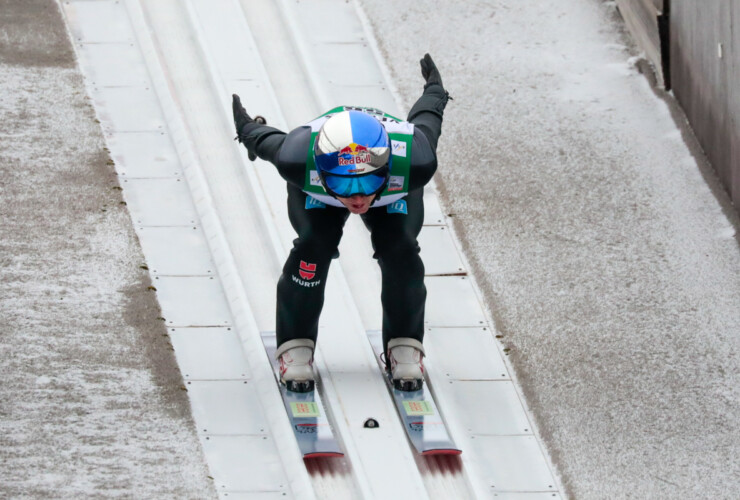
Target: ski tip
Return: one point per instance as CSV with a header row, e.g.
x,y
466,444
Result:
x,y
441,451
323,454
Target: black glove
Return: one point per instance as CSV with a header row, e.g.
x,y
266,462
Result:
x,y
429,71
242,118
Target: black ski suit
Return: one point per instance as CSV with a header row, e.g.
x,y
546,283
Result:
x,y
300,290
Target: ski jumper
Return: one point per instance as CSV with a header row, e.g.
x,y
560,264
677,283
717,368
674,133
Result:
x,y
394,219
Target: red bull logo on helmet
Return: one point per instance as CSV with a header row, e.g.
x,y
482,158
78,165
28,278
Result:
x,y
354,154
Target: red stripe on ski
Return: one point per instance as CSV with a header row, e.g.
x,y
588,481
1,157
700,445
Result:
x,y
442,452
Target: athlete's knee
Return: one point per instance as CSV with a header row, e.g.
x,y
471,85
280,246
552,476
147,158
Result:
x,y
316,248
324,241
403,247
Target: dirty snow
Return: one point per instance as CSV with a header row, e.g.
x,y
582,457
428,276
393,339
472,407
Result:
x,y
90,404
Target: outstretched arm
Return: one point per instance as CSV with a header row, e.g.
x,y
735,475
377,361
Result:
x,y
259,139
426,113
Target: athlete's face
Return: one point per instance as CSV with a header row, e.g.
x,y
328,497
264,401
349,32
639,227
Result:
x,y
358,203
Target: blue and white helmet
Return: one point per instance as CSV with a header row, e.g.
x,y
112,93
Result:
x,y
352,153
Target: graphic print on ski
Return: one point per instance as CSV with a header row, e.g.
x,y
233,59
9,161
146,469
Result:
x,y
418,410
306,413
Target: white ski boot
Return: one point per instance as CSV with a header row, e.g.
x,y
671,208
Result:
x,y
405,362
296,364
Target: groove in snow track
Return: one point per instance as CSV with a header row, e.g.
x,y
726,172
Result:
x,y
352,384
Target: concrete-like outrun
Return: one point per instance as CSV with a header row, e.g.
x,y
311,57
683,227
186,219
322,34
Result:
x,y
214,230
